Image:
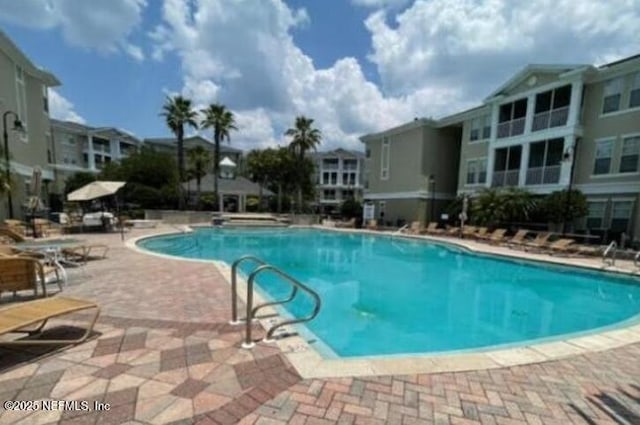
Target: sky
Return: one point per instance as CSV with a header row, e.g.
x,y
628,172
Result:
x,y
354,66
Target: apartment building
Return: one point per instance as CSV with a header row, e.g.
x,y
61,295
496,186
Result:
x,y
24,96
411,171
548,127
82,148
339,176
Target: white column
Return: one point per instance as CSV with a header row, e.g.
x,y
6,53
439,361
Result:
x,y
528,120
524,164
491,155
565,166
90,154
495,111
115,149
575,106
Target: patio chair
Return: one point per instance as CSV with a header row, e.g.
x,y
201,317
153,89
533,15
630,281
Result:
x,y
582,249
51,269
9,234
452,231
518,239
83,253
17,226
539,242
372,224
469,231
16,317
496,237
481,233
432,228
561,246
351,223
21,274
46,228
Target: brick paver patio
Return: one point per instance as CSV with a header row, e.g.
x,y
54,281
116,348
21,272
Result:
x,y
164,353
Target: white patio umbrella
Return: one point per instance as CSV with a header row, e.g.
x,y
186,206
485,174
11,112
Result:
x,y
34,202
98,189
95,190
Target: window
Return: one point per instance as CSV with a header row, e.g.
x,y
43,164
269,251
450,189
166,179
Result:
x,y
367,153
634,95
480,128
620,215
511,118
330,164
506,168
384,159
21,99
630,159
348,179
552,108
544,162
612,95
477,171
595,217
325,178
330,194
604,150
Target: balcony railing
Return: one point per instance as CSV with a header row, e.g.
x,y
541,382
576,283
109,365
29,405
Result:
x,y
511,128
505,178
543,175
329,166
548,119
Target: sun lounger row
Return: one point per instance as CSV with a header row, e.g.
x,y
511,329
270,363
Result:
x,y
540,243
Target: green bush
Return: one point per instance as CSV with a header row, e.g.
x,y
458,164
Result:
x,y
493,207
555,206
350,208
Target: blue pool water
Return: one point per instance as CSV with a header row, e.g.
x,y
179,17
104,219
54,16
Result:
x,y
385,295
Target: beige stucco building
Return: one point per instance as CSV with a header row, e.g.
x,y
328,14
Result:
x,y
24,92
549,126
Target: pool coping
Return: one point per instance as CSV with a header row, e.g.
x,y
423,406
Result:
x,y
310,364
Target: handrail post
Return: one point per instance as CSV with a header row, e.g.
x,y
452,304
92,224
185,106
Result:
x,y
248,343
234,286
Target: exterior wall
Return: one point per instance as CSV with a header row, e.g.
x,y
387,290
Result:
x,y
441,157
541,79
30,149
341,188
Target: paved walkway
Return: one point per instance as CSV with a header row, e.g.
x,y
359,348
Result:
x,y
164,354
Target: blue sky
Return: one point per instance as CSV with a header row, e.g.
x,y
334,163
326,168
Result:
x,y
355,66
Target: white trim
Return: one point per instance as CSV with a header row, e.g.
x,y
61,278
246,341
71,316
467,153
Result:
x,y
609,188
416,194
386,143
540,89
615,175
537,136
619,112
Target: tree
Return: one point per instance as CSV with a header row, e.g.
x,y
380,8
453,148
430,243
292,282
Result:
x,y
77,180
199,161
217,116
350,208
495,206
303,139
275,169
556,209
179,112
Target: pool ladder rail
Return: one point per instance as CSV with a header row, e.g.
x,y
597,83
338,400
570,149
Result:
x,y
609,254
251,310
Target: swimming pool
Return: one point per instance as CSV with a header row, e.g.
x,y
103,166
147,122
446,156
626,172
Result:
x,y
384,296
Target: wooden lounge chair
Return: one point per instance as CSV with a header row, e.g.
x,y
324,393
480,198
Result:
x,y
339,224
16,317
53,272
581,249
481,232
539,242
432,229
17,226
561,246
469,231
372,224
496,236
21,274
518,239
7,233
452,231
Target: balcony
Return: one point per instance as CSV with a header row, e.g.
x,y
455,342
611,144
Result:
x,y
505,178
511,128
543,175
549,119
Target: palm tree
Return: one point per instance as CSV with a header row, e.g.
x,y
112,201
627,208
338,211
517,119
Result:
x,y
219,118
179,112
303,138
199,160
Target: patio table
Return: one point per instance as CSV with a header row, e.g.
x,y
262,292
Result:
x,y
52,249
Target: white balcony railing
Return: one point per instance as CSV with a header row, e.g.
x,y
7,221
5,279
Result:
x,y
511,128
543,175
548,119
505,178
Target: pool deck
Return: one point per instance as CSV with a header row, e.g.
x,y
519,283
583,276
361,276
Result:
x,y
165,354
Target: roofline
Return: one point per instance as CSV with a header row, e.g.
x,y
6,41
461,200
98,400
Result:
x,y
416,123
47,77
619,61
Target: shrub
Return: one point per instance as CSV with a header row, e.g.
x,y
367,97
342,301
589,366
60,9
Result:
x,y
495,206
555,206
350,208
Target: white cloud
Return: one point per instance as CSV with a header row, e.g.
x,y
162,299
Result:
x,y
377,4
476,45
62,109
94,24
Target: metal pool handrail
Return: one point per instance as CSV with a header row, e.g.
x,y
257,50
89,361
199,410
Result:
x,y
234,285
613,249
248,343
636,260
